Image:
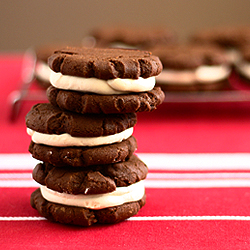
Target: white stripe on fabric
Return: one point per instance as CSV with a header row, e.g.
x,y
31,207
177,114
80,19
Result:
x,y
17,162
150,218
187,183
190,218
228,183
183,176
199,161
153,176
21,218
155,161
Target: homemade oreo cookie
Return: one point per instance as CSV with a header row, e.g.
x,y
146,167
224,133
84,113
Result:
x,y
50,125
91,80
109,193
89,173
82,216
229,38
193,68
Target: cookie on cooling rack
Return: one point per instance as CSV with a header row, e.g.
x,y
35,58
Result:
x,y
229,38
192,68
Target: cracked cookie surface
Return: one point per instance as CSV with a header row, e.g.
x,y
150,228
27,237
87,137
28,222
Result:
x,y
92,103
105,63
84,156
98,179
48,119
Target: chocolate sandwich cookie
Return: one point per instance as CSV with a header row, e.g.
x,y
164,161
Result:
x,y
84,156
98,179
83,103
229,38
192,68
132,37
83,216
100,194
95,80
48,119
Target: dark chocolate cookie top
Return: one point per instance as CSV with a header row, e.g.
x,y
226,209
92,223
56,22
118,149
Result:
x,y
190,56
98,179
139,37
225,37
45,118
105,63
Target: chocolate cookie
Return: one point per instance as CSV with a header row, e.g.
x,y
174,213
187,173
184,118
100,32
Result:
x,y
192,68
81,102
105,63
98,179
135,37
83,216
229,38
223,36
182,57
48,119
84,156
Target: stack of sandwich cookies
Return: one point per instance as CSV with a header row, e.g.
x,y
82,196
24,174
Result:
x,y
89,173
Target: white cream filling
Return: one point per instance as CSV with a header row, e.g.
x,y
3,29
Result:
x,y
66,140
203,74
234,55
43,71
244,68
120,196
98,86
122,45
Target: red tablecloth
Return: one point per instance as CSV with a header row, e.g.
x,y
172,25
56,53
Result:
x,y
198,194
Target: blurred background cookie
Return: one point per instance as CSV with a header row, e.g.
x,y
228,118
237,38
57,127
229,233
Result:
x,y
132,37
43,52
242,67
230,38
192,68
